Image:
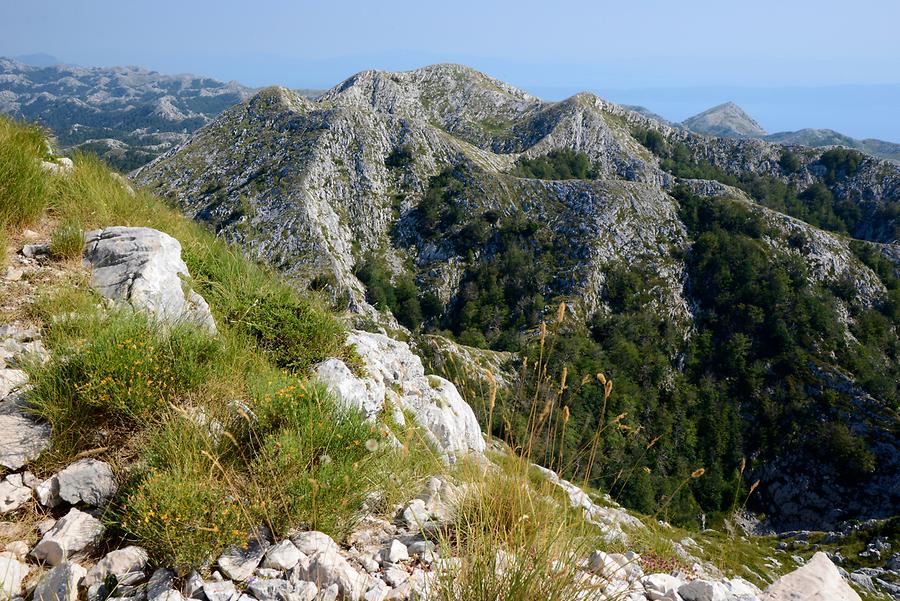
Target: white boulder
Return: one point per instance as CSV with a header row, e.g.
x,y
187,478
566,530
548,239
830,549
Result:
x,y
70,535
239,563
21,438
143,267
12,574
363,394
283,556
86,481
329,568
818,580
60,166
661,587
60,583
394,370
703,590
310,543
118,563
13,493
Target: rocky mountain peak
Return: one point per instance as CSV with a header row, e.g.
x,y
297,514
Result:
x,y
725,120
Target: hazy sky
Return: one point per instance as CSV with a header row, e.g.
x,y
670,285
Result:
x,y
630,48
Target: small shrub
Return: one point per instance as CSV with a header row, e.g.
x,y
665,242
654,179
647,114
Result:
x,y
315,463
789,161
127,373
400,157
67,240
556,165
839,163
181,507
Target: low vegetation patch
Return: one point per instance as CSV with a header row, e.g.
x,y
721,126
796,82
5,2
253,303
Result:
x,y
555,165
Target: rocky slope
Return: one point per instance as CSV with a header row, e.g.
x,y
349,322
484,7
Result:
x,y
314,187
127,115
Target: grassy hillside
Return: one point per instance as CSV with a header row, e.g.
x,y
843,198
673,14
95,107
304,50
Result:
x,y
121,389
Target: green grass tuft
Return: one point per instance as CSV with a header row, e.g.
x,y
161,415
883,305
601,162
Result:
x,y
24,188
67,240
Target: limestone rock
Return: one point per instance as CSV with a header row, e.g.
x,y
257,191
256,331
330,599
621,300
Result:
x,y
661,587
60,583
143,268
118,563
21,439
220,590
60,166
434,401
703,590
305,591
395,553
818,580
13,493
72,534
161,586
239,563
362,394
12,574
10,379
87,481
273,589
310,543
329,568
283,556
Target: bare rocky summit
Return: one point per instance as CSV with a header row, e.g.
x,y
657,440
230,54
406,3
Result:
x,y
725,120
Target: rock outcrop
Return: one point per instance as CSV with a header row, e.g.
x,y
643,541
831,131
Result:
x,y
143,268
395,378
818,580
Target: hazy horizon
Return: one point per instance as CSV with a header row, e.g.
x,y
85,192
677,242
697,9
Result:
x,y
791,66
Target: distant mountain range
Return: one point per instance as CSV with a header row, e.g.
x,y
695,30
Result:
x,y
731,121
127,115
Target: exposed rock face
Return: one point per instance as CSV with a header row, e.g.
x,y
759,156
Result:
x,y
395,374
143,268
818,580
